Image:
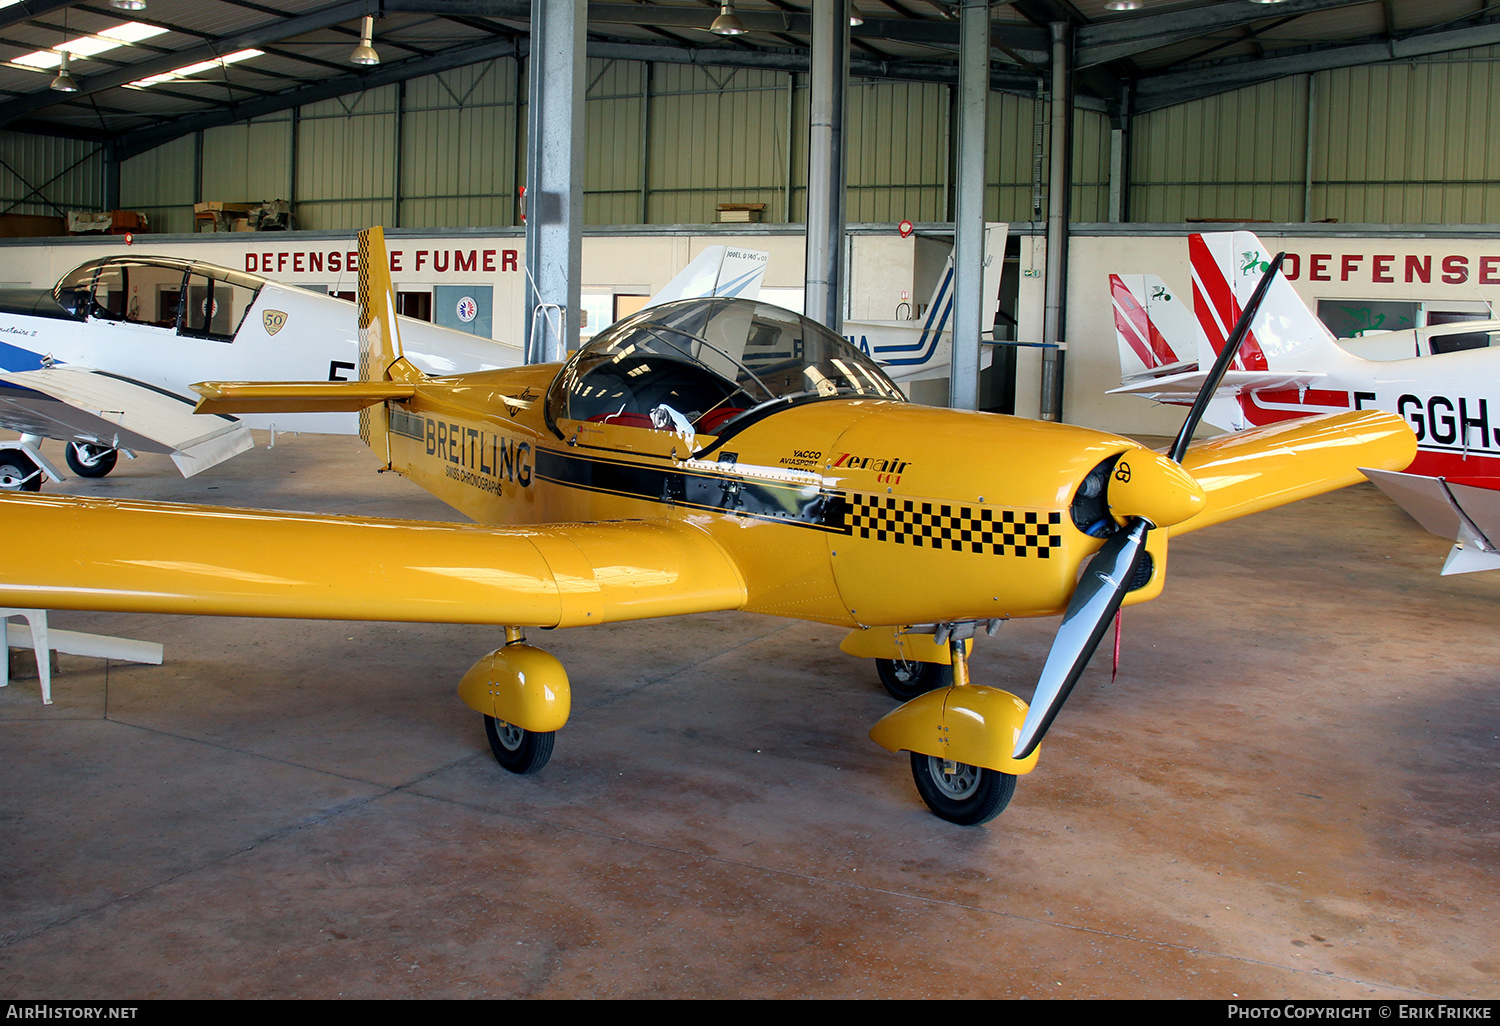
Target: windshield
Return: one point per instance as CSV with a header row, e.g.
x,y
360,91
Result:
x,y
710,362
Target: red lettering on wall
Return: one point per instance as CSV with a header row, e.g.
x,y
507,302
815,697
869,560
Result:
x,y
508,260
1291,267
315,261
1421,267
440,254
334,260
351,260
297,262
1348,264
1381,271
489,260
462,262
280,262
250,262
421,258
1318,271
1455,270
395,260
1489,270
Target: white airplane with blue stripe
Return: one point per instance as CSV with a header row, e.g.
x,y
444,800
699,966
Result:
x,y
922,349
105,359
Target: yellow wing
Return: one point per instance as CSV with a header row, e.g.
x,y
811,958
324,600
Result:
x,y
174,558
1254,470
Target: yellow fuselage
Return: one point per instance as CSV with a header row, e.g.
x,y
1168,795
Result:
x,y
847,511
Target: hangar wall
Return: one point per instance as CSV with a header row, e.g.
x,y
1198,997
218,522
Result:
x,y
1410,142
1414,142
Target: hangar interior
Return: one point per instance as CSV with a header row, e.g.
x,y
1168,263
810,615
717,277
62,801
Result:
x,y
1275,796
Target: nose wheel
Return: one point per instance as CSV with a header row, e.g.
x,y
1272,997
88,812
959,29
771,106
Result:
x,y
518,750
960,793
956,791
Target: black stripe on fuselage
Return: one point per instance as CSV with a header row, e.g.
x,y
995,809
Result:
x,y
722,493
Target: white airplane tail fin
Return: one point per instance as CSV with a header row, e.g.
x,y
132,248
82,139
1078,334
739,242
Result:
x,y
1152,326
1285,336
717,271
916,350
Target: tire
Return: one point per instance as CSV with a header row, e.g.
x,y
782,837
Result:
x,y
906,679
88,460
960,793
15,468
520,751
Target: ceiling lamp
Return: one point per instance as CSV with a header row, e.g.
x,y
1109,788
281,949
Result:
x,y
726,24
364,53
64,82
128,5
855,18
1267,1
1131,5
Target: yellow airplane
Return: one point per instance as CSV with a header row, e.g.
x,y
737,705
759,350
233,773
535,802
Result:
x,y
706,454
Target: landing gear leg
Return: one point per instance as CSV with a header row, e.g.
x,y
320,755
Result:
x,y
955,791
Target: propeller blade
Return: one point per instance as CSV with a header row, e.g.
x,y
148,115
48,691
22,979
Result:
x,y
1094,603
1226,357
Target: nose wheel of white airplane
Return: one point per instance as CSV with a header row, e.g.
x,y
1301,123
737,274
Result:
x,y
88,460
518,750
960,793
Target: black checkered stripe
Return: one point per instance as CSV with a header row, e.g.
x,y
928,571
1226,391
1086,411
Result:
x,y
979,529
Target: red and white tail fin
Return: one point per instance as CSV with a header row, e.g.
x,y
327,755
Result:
x,y
1285,336
1154,330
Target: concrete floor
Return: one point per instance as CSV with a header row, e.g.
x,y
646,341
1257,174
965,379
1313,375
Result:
x,y
1288,792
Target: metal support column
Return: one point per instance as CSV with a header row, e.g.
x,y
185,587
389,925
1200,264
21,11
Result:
x,y
110,186
1119,158
1059,188
968,226
396,157
825,163
554,178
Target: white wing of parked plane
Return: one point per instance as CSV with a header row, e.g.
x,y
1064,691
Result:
x,y
113,411
1468,515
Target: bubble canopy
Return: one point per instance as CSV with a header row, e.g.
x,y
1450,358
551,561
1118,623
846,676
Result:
x,y
715,363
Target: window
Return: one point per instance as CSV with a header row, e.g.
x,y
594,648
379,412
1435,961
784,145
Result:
x,y
215,307
138,293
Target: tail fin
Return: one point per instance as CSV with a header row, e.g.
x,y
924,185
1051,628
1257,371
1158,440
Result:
x,y
717,271
380,355
1285,336
1152,326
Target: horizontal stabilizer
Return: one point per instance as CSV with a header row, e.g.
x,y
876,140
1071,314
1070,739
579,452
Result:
x,y
1250,471
1189,383
173,558
297,396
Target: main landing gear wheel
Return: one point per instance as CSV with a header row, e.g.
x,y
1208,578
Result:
x,y
905,679
960,793
18,473
520,751
88,460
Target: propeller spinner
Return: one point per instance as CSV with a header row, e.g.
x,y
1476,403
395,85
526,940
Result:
x,y
1147,490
